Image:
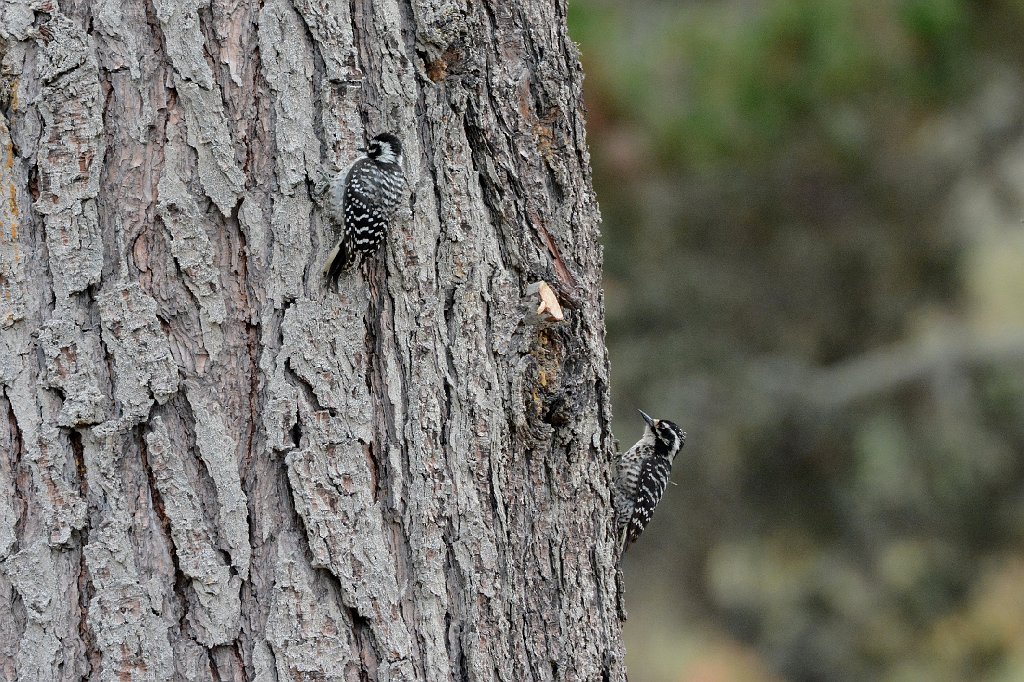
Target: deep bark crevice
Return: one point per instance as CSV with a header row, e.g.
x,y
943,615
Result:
x,y
20,476
365,642
85,594
305,388
181,581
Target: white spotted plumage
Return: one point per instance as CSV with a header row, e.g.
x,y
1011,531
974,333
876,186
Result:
x,y
368,196
642,476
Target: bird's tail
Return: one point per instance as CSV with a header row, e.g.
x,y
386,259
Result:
x,y
338,259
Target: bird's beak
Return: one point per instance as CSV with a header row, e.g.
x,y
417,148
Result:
x,y
647,418
361,149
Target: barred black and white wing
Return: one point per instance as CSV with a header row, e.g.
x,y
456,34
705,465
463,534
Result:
x,y
628,474
372,191
650,486
367,204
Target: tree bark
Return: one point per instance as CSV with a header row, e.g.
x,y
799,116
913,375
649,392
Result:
x,y
216,468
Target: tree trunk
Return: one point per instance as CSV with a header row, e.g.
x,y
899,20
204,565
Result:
x,y
215,467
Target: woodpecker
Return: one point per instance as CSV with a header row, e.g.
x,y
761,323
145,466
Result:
x,y
364,200
642,475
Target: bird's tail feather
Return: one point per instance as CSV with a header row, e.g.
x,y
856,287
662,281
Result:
x,y
623,537
337,261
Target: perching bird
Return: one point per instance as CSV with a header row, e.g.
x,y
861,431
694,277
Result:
x,y
364,200
642,475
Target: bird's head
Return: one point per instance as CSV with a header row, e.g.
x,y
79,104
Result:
x,y
385,148
667,437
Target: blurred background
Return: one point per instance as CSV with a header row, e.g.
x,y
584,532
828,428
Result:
x,y
814,257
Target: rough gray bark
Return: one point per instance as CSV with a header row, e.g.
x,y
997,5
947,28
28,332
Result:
x,y
214,468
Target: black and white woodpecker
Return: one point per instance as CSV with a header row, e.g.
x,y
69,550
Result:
x,y
642,476
364,200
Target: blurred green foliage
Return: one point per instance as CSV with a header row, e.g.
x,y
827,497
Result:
x,y
725,81
813,251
